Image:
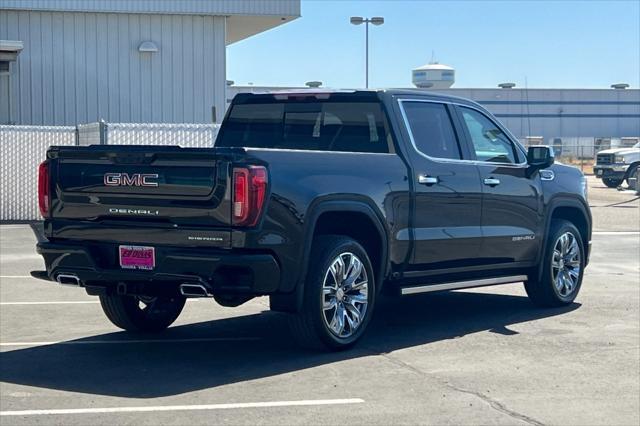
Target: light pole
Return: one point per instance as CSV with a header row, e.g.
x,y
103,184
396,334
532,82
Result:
x,y
357,20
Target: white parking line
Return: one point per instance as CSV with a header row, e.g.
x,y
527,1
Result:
x,y
616,232
125,341
268,404
10,257
51,303
64,302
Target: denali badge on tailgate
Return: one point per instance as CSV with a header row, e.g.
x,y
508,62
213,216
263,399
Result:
x,y
135,179
134,211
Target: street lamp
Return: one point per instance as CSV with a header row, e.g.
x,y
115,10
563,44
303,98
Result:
x,y
358,20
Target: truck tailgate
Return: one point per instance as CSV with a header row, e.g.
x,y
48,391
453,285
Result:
x,y
146,186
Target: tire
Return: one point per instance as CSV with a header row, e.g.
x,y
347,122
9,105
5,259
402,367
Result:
x,y
156,314
562,268
612,182
318,325
630,173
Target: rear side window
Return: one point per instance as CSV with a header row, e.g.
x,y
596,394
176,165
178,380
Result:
x,y
319,125
431,128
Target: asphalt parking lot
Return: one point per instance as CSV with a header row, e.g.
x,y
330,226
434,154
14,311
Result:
x,y
469,357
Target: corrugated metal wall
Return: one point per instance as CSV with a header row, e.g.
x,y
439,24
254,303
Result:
x,y
217,7
84,67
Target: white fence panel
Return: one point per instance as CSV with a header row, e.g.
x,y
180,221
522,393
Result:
x,y
184,135
22,149
578,147
89,134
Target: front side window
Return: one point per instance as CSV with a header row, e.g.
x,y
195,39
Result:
x,y
431,128
489,142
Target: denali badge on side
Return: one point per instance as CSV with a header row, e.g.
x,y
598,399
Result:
x,y
523,237
135,211
135,179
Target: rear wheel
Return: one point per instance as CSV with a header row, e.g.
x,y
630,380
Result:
x,y
563,267
339,295
142,313
612,182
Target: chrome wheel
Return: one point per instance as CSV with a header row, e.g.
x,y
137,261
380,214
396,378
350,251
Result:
x,y
345,295
566,264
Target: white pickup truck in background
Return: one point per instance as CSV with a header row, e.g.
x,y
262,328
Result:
x,y
616,165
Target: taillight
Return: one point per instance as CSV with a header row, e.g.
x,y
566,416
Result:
x,y
249,192
44,196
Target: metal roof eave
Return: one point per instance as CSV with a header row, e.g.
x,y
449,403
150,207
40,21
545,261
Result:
x,y
172,7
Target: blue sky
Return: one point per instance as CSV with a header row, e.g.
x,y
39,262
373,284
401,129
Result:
x,y
586,44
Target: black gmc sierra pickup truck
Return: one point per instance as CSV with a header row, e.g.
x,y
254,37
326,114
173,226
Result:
x,y
319,200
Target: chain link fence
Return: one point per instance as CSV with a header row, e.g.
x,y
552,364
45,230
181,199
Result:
x,y
22,149
185,135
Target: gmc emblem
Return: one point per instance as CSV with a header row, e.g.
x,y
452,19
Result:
x,y
136,179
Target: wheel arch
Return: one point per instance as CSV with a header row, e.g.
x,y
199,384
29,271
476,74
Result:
x,y
325,211
362,208
574,210
632,166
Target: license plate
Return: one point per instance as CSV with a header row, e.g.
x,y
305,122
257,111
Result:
x,y
600,172
137,257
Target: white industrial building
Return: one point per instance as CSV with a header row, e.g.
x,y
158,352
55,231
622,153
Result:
x,y
552,116
576,117
561,113
64,62
546,114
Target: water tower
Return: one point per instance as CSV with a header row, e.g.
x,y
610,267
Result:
x,y
433,76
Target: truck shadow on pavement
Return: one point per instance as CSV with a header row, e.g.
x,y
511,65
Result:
x,y
150,370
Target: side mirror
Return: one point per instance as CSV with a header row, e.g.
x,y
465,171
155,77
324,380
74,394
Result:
x,y
539,157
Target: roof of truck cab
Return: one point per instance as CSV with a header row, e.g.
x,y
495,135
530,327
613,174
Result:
x,y
426,94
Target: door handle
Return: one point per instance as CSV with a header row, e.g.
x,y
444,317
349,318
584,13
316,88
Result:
x,y
492,181
428,180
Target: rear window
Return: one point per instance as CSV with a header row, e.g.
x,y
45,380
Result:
x,y
318,125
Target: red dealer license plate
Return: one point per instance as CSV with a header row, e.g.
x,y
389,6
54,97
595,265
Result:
x,y
137,257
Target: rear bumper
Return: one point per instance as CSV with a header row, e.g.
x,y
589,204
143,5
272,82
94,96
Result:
x,y
96,265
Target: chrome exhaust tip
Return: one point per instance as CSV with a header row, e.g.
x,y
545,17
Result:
x,y
194,290
68,279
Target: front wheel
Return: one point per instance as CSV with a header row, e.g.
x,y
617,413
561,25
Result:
x,y
339,295
632,172
562,270
612,182
141,313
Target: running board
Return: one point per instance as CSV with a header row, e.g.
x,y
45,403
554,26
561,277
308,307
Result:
x,y
463,284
